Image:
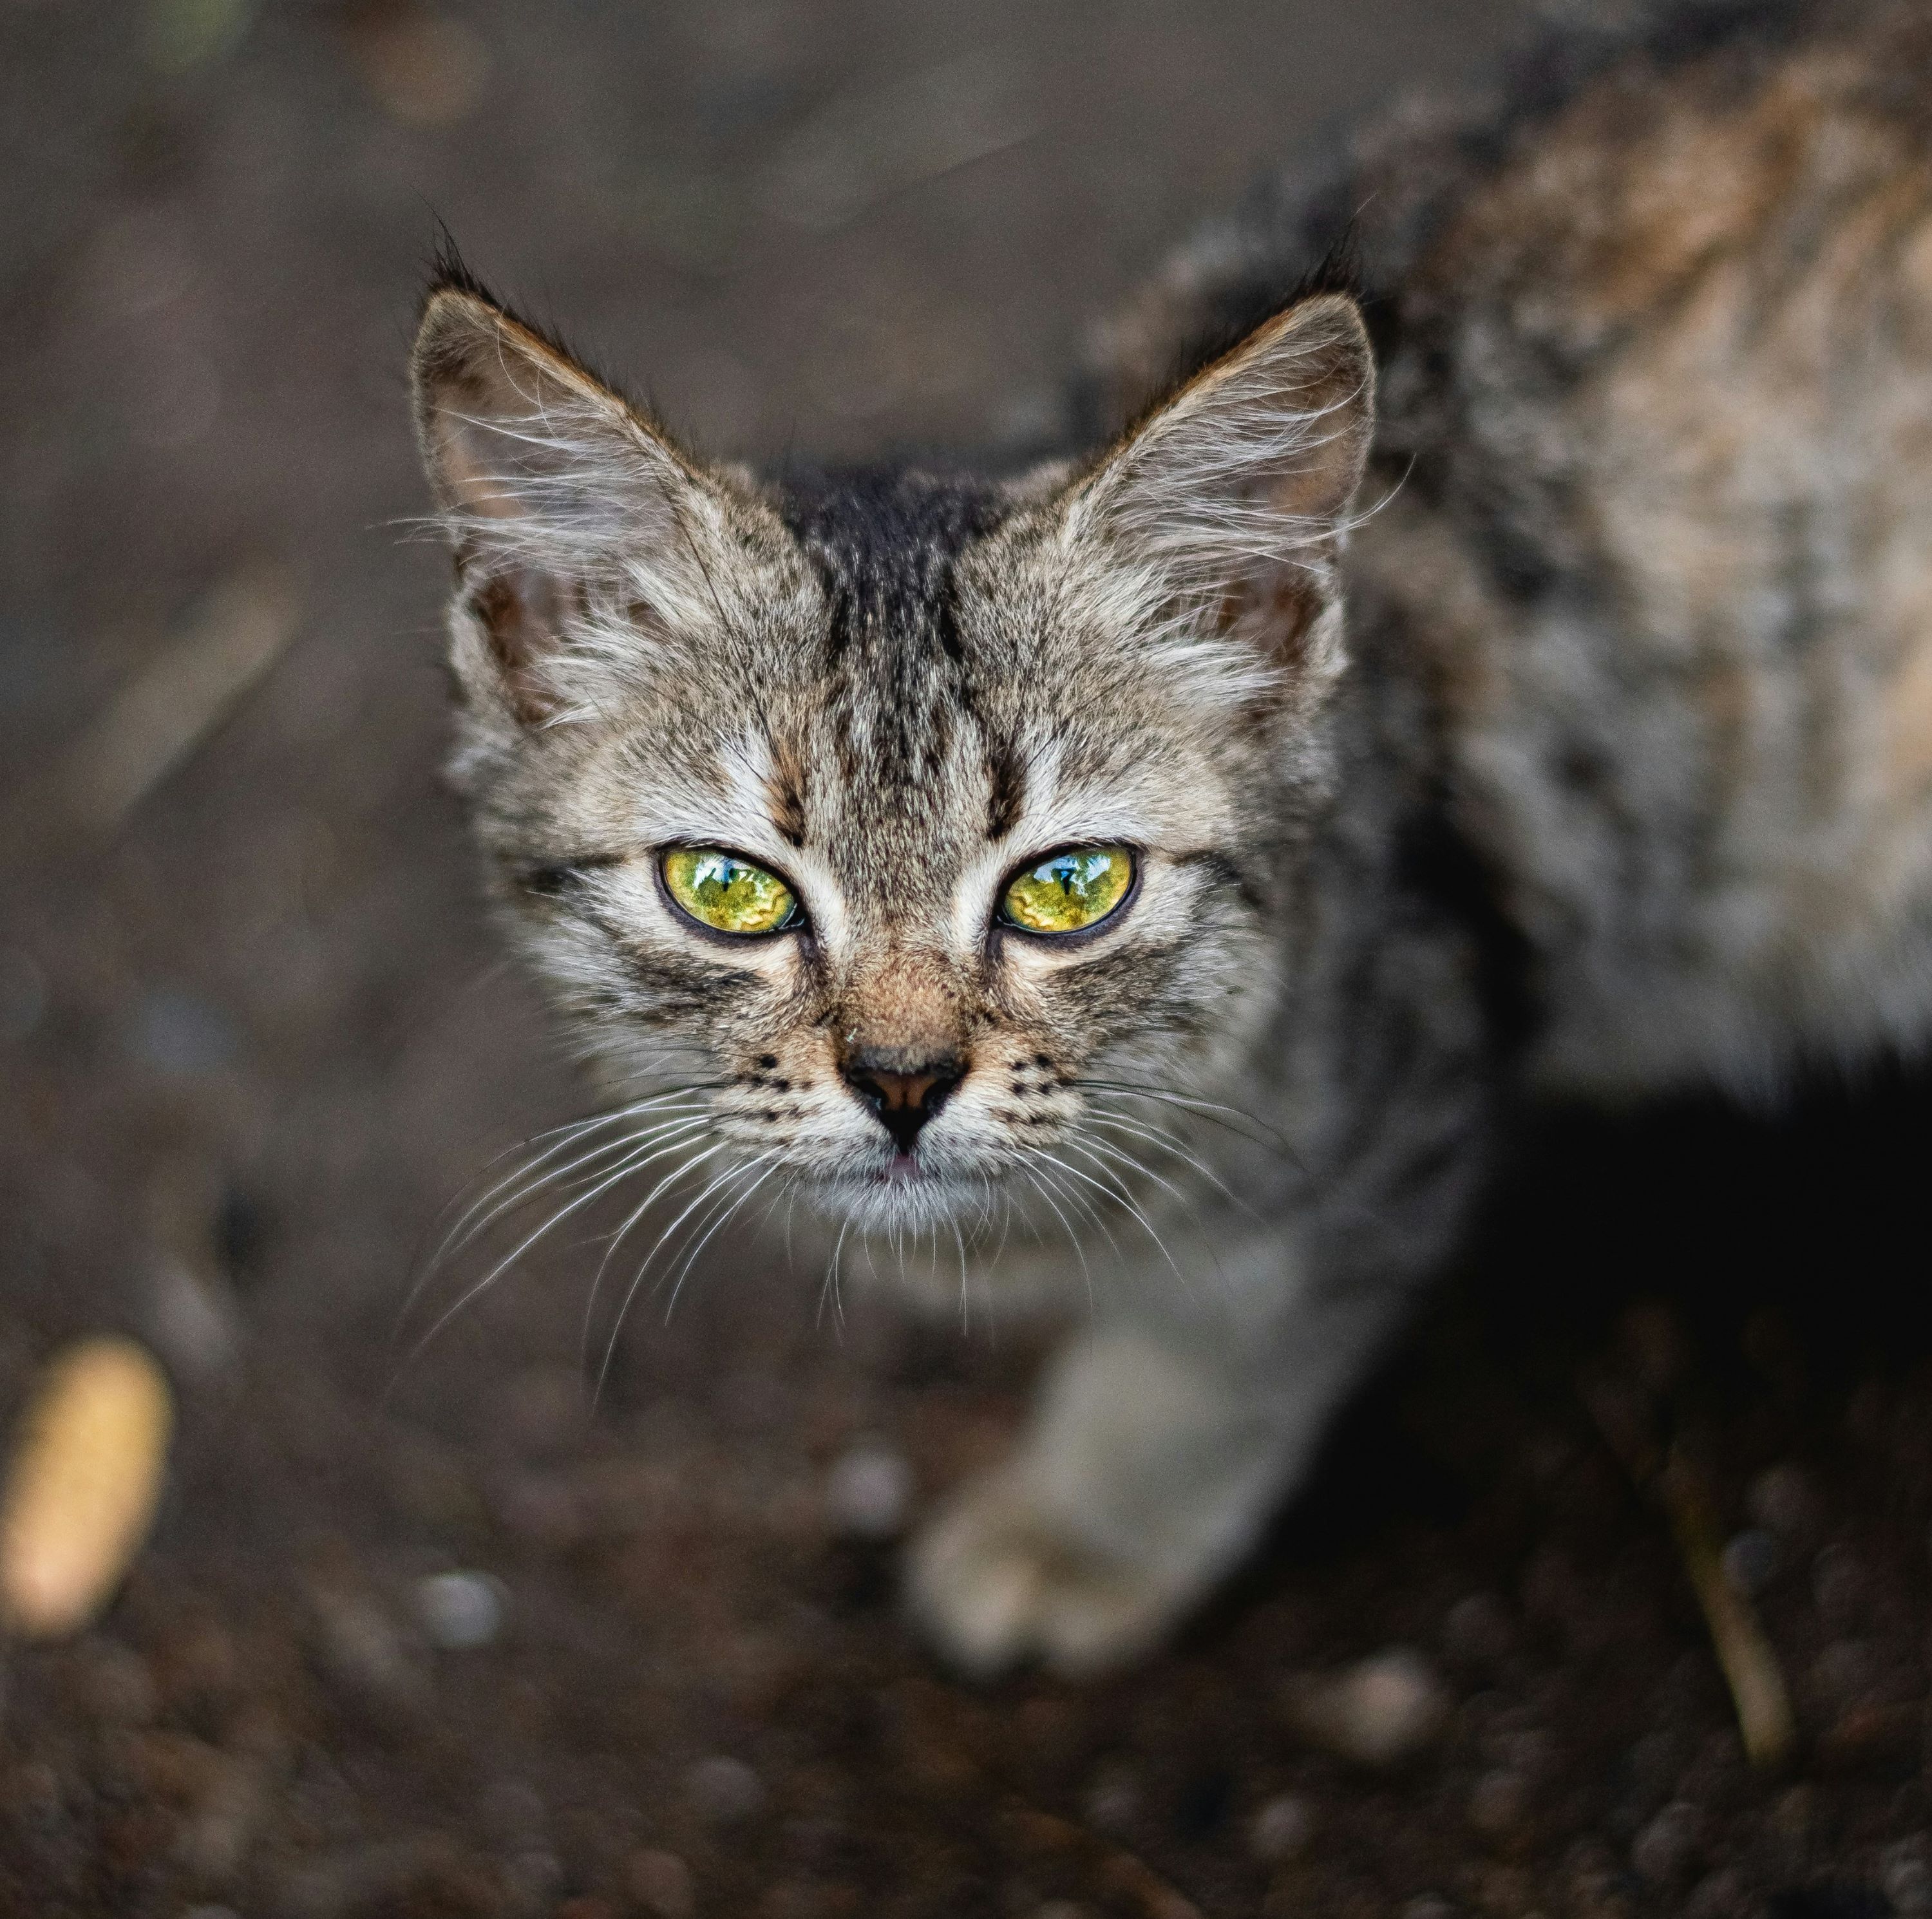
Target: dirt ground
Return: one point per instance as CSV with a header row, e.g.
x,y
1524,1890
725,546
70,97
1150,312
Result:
x,y
425,1632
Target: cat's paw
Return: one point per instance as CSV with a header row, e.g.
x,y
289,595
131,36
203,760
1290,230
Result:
x,y
995,1582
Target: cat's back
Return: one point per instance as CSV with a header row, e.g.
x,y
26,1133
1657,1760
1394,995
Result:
x,y
1656,340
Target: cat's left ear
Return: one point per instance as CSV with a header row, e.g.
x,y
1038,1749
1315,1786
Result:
x,y
1230,501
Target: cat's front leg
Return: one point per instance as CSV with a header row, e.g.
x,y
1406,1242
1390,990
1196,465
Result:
x,y
1157,1452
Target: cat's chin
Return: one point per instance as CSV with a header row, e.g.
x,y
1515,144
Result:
x,y
905,1196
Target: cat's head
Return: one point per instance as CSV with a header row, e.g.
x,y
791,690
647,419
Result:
x,y
923,832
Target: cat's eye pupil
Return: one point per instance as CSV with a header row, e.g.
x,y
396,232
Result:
x,y
1067,892
728,895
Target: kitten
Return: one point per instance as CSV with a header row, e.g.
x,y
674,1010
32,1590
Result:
x,y
1504,671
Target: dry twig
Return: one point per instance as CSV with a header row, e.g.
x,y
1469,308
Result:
x,y
156,721
1627,1415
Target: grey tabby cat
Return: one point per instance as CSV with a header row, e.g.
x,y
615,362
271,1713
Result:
x,y
1506,672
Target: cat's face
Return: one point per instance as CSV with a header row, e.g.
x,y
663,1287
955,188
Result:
x,y
920,833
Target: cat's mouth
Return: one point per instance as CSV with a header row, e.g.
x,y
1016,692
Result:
x,y
904,1189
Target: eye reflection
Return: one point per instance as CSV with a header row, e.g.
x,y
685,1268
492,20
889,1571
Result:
x,y
1069,892
728,894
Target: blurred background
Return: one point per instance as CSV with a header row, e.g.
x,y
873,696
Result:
x,y
426,1632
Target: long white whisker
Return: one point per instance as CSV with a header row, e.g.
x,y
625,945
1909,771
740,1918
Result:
x,y
1132,1207
1120,1156
1168,1142
1213,1111
623,1232
710,1232
959,1240
1039,1179
637,1278
663,1239
509,1259
830,1287
463,1231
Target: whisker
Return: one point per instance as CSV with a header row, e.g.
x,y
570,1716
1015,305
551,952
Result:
x,y
637,1277
711,1231
626,1143
959,1240
509,1259
463,1232
830,1284
1168,1143
1213,1111
1133,1207
1039,1180
573,1130
623,1233
1121,1156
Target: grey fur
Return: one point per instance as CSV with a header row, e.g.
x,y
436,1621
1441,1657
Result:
x,y
1620,777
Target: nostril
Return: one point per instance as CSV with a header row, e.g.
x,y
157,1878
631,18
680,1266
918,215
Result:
x,y
903,1101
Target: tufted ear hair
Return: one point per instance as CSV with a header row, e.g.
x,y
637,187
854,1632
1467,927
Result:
x,y
557,495
1228,504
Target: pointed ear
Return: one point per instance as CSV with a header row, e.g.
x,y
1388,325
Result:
x,y
1230,501
555,494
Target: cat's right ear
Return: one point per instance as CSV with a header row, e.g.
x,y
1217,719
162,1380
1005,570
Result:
x,y
557,494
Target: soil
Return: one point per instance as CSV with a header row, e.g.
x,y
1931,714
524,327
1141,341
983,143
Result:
x,y
254,1037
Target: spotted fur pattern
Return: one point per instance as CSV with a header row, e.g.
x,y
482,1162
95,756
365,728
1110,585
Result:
x,y
1586,746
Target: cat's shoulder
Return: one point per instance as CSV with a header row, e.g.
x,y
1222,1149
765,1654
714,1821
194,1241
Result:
x,y
1600,154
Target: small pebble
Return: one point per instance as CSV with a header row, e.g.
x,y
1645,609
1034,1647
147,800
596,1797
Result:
x,y
191,1313
1838,1586
120,1686
725,1790
1844,1672
662,1883
869,1493
1477,1630
1905,1872
1751,1559
461,1610
1665,1847
363,1648
536,1876
1281,1829
1784,1500
1497,1802
214,1842
1113,1799
1718,1895
1428,1906
1376,1712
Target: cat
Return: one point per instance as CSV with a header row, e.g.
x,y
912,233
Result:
x,y
1492,663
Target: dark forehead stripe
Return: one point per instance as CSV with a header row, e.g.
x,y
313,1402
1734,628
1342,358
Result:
x,y
885,541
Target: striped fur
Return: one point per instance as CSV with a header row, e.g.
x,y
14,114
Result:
x,y
1587,748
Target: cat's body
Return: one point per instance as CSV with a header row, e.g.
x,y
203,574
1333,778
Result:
x,y
1656,414
1620,779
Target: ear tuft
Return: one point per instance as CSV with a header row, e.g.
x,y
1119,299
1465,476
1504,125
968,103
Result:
x,y
1232,496
519,440
555,493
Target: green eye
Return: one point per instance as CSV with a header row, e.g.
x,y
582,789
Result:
x,y
1069,892
728,894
